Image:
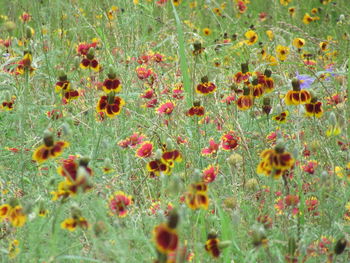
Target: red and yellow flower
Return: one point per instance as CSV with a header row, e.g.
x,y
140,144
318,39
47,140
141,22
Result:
x,y
145,150
282,117
50,149
274,162
297,96
245,101
251,37
112,84
314,108
166,108
89,62
205,87
13,212
229,141
72,223
111,105
197,196
210,173
119,202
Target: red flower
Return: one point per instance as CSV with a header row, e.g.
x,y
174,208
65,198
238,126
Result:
x,y
212,149
145,150
166,108
134,140
212,246
143,72
83,48
165,238
195,110
119,202
205,87
229,141
210,173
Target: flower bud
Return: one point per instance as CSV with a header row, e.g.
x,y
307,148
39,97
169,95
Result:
x,y
48,138
340,246
173,219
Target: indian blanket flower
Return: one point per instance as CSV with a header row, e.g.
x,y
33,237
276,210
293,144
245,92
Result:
x,y
166,108
119,202
241,6
205,87
229,141
83,48
134,140
145,150
143,72
282,117
111,105
111,83
297,96
25,17
50,149
274,162
310,167
165,236
251,37
197,196
245,101
282,52
314,108
210,173
13,212
212,149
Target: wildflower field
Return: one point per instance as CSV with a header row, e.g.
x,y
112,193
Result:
x,y
173,131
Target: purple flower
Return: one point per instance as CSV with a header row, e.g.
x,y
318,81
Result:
x,y
305,80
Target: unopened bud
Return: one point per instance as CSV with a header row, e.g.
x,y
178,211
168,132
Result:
x,y
173,219
340,246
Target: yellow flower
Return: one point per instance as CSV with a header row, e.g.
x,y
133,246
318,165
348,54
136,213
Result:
x,y
282,52
251,36
207,31
270,34
13,249
333,130
298,42
285,2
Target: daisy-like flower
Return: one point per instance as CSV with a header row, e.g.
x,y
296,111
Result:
x,y
212,149
207,31
282,52
111,105
314,108
111,83
72,223
166,108
205,87
210,173
298,43
197,109
297,96
197,196
251,37
145,150
304,80
275,161
119,202
165,236
245,101
50,148
143,72
229,141
282,117
13,212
